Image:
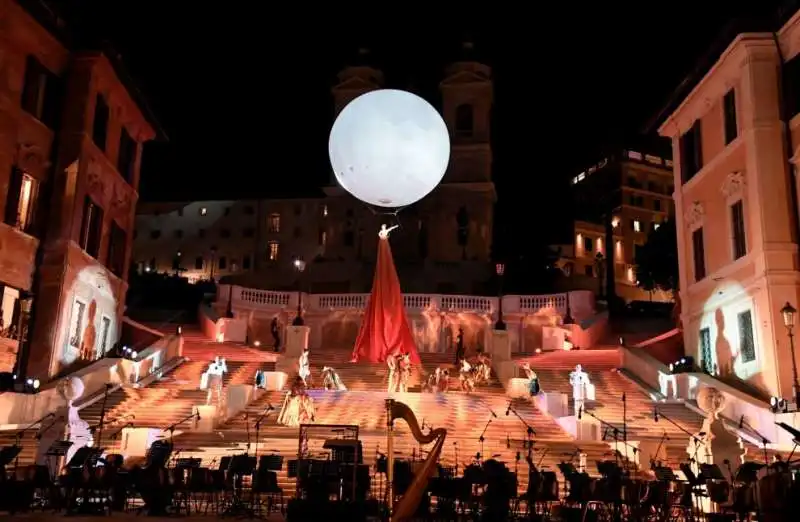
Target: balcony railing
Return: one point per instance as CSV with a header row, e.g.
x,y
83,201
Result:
x,y
581,303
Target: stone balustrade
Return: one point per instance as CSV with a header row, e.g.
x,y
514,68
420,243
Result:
x,y
581,302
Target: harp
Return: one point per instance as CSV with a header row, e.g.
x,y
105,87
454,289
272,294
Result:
x,y
407,505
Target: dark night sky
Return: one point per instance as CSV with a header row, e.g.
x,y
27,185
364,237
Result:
x,y
244,92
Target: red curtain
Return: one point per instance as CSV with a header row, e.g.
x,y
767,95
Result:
x,y
384,329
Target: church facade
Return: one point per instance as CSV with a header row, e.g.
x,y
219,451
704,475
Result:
x,y
443,244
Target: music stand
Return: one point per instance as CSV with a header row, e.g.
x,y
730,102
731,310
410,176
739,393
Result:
x,y
664,474
710,472
57,449
85,456
748,472
240,466
7,456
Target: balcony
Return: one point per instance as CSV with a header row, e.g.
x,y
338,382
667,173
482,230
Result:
x,y
17,257
581,302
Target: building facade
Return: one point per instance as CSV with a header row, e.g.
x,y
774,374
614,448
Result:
x,y
71,136
633,191
443,243
735,142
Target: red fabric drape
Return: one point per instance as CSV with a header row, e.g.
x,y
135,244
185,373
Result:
x,y
384,329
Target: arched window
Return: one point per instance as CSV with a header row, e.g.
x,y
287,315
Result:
x,y
464,120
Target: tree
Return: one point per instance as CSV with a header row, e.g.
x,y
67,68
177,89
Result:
x,y
657,260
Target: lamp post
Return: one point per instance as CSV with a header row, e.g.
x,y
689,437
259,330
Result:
x,y
789,314
300,265
500,270
599,261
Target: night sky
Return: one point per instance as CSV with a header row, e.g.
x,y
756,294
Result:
x,y
243,88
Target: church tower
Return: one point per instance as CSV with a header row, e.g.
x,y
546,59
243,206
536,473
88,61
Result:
x,y
355,80
467,95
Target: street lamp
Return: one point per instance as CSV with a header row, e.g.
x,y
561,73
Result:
x,y
789,314
500,270
300,265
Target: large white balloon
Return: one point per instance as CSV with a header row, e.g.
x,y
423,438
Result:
x,y
389,148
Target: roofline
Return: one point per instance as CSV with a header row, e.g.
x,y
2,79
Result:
x,y
46,16
712,55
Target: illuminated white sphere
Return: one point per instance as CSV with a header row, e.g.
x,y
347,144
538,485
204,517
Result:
x,y
389,148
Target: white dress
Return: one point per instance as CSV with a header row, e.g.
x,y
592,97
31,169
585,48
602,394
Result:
x,y
304,370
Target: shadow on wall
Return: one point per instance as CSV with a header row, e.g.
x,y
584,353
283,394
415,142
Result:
x,y
724,352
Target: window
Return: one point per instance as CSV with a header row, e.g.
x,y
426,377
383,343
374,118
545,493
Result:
x,y
225,233
246,263
747,346
464,120
737,227
105,329
100,125
201,232
126,157
178,234
588,270
323,238
699,254
729,107
298,232
20,200
249,232
41,93
203,211
92,227
657,205
248,210
76,327
349,238
198,263
273,251
691,148
706,361
636,225
117,240
324,210
274,223
587,244
222,263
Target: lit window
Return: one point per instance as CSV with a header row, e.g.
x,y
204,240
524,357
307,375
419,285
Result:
x,y
19,203
637,225
203,211
324,210
615,222
274,223
656,225
273,250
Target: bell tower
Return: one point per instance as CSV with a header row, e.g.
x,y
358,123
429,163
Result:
x,y
355,80
467,96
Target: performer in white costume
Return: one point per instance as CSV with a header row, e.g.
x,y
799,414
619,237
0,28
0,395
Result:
x,y
331,380
384,232
304,367
391,362
579,380
214,375
405,372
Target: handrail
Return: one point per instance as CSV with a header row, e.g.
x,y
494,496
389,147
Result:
x,y
168,366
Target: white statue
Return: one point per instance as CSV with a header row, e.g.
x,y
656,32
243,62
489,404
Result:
x,y
213,377
384,232
304,367
65,423
391,362
331,380
579,380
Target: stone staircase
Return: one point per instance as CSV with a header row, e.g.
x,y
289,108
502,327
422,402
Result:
x,y
554,368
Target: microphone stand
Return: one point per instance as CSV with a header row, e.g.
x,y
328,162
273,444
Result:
x,y
47,428
764,440
171,428
259,420
247,429
625,427
658,449
103,416
116,434
691,435
22,432
615,432
481,438
528,428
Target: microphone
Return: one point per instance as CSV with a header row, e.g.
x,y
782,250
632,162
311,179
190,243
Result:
x,y
624,398
508,410
197,414
580,412
741,422
655,414
493,413
605,434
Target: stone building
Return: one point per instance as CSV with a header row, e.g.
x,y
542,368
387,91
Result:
x,y
632,190
443,245
735,131
71,134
